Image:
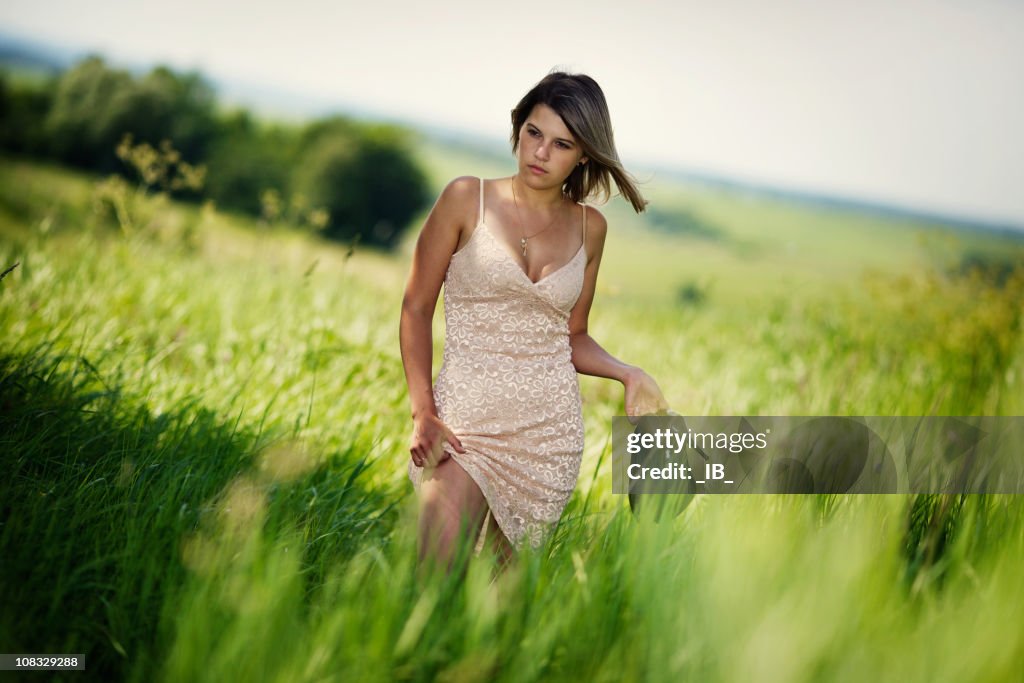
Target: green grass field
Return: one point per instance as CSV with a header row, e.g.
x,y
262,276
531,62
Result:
x,y
204,428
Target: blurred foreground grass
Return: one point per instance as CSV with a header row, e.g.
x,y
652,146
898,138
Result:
x,y
204,440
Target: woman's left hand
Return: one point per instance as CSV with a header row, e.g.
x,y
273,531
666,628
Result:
x,y
643,396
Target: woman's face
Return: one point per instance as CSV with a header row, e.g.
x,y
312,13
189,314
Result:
x,y
548,152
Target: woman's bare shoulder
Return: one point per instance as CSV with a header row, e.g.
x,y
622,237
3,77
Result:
x,y
597,226
463,191
456,206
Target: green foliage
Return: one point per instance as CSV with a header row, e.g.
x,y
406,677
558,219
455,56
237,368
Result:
x,y
950,337
158,170
682,222
348,181
95,106
23,108
177,107
692,293
246,160
161,169
364,177
81,123
205,461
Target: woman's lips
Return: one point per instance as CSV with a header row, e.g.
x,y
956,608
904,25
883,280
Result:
x,y
537,169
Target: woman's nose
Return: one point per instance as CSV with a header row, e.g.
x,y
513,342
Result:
x,y
542,151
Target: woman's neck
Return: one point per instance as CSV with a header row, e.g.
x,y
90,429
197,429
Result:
x,y
536,199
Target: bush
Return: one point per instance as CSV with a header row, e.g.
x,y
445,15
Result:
x,y
94,107
352,181
364,177
246,160
22,110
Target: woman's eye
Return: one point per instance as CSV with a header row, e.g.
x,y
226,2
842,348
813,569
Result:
x,y
535,133
563,145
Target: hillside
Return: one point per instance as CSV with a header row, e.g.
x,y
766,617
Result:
x,y
205,430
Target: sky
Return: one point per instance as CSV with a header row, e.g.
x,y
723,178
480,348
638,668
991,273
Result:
x,y
916,103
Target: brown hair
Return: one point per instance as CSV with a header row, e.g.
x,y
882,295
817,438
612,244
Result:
x,y
578,99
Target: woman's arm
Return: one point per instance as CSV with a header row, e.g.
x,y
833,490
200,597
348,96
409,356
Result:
x,y
643,396
438,240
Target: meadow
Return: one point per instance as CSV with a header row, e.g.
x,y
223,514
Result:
x,y
204,427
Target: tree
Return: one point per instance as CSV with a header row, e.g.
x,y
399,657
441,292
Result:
x,y
246,160
364,176
22,110
94,107
81,123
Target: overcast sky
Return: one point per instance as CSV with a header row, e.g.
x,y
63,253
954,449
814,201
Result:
x,y
913,102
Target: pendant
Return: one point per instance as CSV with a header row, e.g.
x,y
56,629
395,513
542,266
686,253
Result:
x,y
522,243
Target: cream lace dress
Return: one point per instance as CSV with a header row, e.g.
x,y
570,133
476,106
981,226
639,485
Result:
x,y
507,386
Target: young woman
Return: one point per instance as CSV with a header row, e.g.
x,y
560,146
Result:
x,y
497,442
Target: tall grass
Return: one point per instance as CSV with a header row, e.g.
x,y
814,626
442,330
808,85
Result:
x,y
205,449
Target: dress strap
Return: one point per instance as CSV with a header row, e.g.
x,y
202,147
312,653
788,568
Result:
x,y
480,218
584,229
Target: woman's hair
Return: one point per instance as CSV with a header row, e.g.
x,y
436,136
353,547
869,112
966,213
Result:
x,y
579,101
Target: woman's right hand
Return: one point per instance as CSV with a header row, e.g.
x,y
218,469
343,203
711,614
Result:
x,y
643,396
429,435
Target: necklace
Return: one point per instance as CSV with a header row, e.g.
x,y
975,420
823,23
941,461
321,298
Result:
x,y
522,226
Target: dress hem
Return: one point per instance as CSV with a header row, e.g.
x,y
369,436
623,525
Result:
x,y
485,489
